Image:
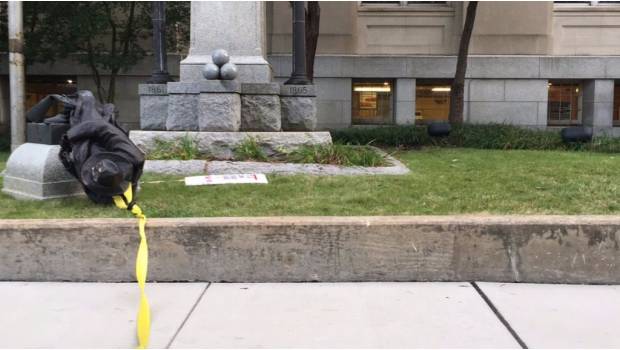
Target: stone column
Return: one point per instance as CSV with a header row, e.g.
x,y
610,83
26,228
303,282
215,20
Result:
x,y
405,101
239,28
598,106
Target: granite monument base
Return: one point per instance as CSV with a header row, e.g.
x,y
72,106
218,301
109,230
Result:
x,y
298,103
182,107
153,106
35,172
49,134
222,145
260,107
219,110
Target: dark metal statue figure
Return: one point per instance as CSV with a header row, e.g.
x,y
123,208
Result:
x,y
96,150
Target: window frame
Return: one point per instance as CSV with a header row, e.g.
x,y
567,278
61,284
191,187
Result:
x,y
572,6
392,81
570,122
423,6
430,82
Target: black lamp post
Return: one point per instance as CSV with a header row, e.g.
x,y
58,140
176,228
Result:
x,y
299,75
160,70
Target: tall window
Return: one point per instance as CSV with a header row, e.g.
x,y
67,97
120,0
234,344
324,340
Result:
x,y
373,101
432,101
565,101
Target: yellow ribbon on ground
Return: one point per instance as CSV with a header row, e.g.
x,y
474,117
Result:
x,y
142,263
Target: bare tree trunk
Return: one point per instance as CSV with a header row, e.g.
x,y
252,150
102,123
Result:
x,y
93,67
313,17
458,84
112,87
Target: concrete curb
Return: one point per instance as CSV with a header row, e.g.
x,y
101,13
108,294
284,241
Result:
x,y
217,167
542,249
230,167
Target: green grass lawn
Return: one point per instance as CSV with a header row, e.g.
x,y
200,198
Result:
x,y
443,181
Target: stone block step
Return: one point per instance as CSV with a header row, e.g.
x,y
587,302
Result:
x,y
221,145
538,249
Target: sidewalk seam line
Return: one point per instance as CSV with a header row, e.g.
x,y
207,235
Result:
x,y
191,311
499,316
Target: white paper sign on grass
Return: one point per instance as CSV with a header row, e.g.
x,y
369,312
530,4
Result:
x,y
226,179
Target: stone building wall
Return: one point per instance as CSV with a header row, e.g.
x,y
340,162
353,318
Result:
x,y
499,89
502,28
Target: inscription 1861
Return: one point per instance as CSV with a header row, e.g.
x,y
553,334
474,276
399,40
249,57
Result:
x,y
156,90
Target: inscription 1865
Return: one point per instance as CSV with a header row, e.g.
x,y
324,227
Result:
x,y
299,90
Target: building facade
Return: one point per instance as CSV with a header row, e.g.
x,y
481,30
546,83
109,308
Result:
x,y
534,64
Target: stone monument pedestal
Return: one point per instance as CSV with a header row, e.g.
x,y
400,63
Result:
x,y
209,105
219,106
260,107
222,145
153,106
182,107
298,107
221,114
49,134
34,171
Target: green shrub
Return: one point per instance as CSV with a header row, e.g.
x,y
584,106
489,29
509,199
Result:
x,y
383,136
480,136
602,144
502,136
337,154
184,148
249,149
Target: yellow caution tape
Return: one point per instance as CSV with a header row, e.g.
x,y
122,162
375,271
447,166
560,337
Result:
x,y
142,262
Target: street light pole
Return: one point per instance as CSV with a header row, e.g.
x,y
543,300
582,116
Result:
x,y
17,76
299,75
160,69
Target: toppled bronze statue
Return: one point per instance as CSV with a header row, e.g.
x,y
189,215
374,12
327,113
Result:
x,y
96,150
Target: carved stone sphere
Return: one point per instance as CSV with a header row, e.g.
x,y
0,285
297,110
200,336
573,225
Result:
x,y
220,57
210,71
229,71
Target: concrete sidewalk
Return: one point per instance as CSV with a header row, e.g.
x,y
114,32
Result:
x,y
312,315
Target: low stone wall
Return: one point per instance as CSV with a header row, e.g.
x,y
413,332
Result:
x,y
549,249
221,145
193,167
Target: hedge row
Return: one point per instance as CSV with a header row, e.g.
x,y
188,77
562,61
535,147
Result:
x,y
481,136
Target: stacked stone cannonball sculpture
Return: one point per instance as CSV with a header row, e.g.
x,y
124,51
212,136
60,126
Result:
x,y
221,68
